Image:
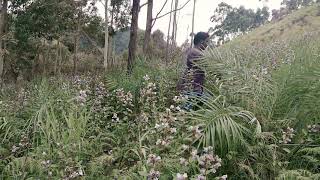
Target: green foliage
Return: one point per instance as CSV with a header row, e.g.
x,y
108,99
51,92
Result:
x,y
277,83
46,19
261,117
297,175
94,27
121,14
232,21
223,124
295,4
286,28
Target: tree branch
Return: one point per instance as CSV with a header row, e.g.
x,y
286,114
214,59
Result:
x,y
94,43
158,17
143,5
102,3
154,20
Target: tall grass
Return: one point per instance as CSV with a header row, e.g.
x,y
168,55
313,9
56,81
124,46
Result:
x,y
279,84
109,127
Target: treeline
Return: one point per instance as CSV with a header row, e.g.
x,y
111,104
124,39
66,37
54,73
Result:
x,y
233,21
289,6
39,37
42,36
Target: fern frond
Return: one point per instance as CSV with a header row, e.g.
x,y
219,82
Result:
x,y
299,174
310,151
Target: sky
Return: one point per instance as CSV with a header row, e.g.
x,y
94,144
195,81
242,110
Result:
x,y
204,10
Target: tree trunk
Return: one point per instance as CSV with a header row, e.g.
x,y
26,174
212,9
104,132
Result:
x,y
59,60
56,59
3,22
174,26
110,46
106,36
110,43
147,34
133,35
46,60
113,52
193,14
76,46
40,65
168,35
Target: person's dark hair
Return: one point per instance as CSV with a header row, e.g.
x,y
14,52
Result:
x,y
199,37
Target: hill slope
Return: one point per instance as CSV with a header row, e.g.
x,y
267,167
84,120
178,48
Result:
x,y
297,23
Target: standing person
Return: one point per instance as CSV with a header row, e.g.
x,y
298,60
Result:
x,y
193,79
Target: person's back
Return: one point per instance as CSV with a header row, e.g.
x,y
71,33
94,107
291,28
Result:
x,y
194,77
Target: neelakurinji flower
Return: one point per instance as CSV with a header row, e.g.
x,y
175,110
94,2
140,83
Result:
x,y
153,175
153,159
183,176
315,128
287,135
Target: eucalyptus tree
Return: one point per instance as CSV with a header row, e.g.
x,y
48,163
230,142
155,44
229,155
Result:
x,y
3,23
133,34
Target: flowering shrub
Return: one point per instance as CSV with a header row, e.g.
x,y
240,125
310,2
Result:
x,y
148,95
81,127
287,135
315,128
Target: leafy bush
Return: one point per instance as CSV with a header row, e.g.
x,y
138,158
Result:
x,y
260,120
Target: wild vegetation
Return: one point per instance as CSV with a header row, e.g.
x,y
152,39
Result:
x,y
261,119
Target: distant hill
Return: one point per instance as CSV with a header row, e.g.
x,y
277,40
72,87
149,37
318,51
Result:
x,y
122,38
297,23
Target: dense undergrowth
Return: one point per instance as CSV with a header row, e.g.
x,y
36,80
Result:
x,y
260,121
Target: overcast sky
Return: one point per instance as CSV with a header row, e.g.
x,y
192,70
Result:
x,y
204,10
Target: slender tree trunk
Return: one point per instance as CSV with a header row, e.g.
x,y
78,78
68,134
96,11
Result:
x,y
174,26
75,56
110,55
110,43
3,22
133,35
168,35
147,34
113,52
116,19
76,46
106,36
193,14
59,60
46,59
56,59
40,68
176,29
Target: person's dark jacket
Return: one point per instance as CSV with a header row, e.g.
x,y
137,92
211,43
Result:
x,y
194,77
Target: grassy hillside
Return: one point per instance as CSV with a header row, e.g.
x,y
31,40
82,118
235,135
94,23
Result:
x,y
259,120
299,22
